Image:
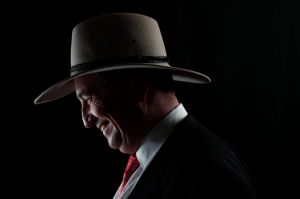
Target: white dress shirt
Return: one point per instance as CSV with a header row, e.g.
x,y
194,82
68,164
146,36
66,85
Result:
x,y
151,145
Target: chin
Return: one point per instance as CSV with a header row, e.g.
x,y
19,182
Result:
x,y
123,150
114,145
127,150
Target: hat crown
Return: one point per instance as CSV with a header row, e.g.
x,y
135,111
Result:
x,y
117,41
116,35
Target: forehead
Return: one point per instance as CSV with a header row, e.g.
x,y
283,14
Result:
x,y
100,82
85,81
84,78
87,84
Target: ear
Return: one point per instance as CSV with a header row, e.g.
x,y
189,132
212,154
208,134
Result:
x,y
139,89
143,93
145,97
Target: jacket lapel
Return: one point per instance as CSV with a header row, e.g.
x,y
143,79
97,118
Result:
x,y
157,176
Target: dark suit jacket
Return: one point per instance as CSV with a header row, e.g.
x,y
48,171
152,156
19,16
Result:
x,y
194,163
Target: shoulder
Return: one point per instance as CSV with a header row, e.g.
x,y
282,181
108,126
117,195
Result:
x,y
205,156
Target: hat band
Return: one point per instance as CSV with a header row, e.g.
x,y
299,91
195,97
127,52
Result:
x,y
79,68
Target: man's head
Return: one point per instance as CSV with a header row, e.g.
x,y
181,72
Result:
x,y
121,75
125,105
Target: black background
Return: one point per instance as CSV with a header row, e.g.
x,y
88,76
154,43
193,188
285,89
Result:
x,y
250,49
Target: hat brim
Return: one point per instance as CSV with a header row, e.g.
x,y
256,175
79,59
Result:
x,y
66,86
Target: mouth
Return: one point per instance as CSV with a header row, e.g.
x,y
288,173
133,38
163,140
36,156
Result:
x,y
102,125
103,128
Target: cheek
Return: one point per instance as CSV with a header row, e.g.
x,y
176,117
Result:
x,y
127,117
121,107
99,110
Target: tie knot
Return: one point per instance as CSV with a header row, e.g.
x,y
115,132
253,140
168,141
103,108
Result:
x,y
131,166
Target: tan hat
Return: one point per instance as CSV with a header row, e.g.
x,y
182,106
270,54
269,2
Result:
x,y
117,41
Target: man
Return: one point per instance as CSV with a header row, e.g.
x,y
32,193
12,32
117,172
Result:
x,y
121,76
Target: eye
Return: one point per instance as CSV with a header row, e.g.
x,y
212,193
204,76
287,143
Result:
x,y
96,100
89,99
85,99
93,99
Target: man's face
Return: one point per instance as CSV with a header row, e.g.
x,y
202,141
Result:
x,y
113,107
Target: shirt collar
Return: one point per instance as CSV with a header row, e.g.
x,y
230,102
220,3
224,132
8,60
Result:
x,y
158,134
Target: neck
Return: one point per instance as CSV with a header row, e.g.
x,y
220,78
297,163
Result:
x,y
155,106
158,105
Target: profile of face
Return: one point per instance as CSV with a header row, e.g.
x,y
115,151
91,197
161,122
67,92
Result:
x,y
113,105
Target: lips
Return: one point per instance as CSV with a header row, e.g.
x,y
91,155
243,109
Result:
x,y
102,125
103,128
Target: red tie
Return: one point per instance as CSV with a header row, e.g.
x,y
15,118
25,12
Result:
x,y
131,166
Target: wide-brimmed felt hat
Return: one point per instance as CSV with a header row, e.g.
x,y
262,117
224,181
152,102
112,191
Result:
x,y
117,41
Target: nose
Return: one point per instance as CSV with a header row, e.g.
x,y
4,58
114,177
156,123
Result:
x,y
89,120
